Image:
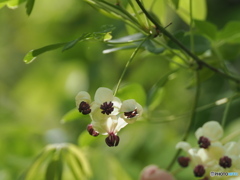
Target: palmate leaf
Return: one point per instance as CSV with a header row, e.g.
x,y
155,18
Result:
x,y
97,36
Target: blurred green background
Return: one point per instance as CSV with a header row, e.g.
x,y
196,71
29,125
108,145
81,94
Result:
x,y
34,97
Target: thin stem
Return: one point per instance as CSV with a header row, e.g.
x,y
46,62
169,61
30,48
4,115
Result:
x,y
192,119
226,111
127,64
172,38
231,136
172,51
191,26
135,12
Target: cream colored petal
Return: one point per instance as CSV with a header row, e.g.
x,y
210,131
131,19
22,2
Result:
x,y
211,130
195,159
103,95
96,114
128,105
183,145
116,105
199,133
129,120
121,124
232,148
99,127
82,96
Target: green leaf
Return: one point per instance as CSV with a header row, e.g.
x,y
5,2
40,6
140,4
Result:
x,y
85,139
73,165
128,39
81,160
199,9
175,3
133,91
201,44
107,51
31,55
151,47
33,171
71,115
12,4
51,170
99,36
155,93
29,6
230,32
207,28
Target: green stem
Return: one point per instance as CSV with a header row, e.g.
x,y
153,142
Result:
x,y
172,51
173,39
192,120
191,27
135,12
231,136
127,64
226,111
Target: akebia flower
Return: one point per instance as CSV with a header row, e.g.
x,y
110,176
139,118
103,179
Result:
x,y
131,110
211,154
108,114
83,101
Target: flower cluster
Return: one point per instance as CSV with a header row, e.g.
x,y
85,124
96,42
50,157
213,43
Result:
x,y
211,155
108,113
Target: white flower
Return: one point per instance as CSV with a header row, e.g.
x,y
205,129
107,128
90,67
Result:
x,y
212,130
107,112
131,110
112,124
83,100
106,102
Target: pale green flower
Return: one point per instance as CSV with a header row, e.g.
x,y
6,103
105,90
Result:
x,y
131,110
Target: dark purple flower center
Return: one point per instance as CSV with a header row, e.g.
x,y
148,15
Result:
x,y
112,140
91,131
183,161
204,142
84,108
131,114
107,108
199,171
225,162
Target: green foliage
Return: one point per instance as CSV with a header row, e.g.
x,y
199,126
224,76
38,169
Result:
x,y
159,71
53,159
97,36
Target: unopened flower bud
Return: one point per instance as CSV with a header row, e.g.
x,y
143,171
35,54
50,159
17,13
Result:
x,y
152,172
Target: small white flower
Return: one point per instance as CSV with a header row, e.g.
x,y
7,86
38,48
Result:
x,y
83,100
112,124
106,102
212,130
107,112
131,110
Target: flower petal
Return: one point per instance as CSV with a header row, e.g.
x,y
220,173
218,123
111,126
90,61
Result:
x,y
183,145
82,96
211,130
121,124
103,95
